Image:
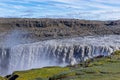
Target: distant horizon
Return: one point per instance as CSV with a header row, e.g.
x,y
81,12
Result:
x,y
54,18
70,9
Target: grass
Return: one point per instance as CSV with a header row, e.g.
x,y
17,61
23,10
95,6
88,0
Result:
x,y
1,78
105,68
107,71
42,73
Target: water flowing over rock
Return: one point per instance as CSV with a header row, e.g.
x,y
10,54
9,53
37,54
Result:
x,y
56,52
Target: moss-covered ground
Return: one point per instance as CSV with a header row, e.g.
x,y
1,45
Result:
x,y
100,68
1,78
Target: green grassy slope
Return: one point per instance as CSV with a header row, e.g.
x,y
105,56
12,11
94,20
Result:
x,y
1,78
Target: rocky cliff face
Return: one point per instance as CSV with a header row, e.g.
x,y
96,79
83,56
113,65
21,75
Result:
x,y
59,28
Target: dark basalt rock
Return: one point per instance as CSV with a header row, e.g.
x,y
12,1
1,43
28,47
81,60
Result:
x,y
14,77
7,76
59,28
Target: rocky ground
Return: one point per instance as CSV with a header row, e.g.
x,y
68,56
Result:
x,y
58,28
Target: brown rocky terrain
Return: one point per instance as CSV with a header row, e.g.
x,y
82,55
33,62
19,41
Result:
x,y
58,28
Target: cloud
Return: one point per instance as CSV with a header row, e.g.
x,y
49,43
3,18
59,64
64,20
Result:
x,y
107,1
81,9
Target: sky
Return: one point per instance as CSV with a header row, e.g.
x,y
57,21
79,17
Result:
x,y
78,9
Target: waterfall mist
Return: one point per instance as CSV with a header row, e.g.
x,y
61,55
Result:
x,y
20,53
16,37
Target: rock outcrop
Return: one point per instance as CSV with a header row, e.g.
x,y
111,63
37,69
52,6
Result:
x,y
59,28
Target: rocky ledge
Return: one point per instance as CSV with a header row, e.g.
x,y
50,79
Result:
x,y
59,28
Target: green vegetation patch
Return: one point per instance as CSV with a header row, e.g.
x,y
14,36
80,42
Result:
x,y
42,73
105,68
1,78
63,75
117,52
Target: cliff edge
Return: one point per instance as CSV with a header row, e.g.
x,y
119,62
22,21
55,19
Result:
x,y
59,28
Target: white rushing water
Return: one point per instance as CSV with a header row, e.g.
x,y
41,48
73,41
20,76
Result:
x,y
56,52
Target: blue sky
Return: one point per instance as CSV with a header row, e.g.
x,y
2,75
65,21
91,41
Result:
x,y
80,9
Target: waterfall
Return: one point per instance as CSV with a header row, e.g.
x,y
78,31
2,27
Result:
x,y
55,52
4,60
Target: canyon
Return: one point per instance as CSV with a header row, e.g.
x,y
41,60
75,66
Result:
x,y
35,43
